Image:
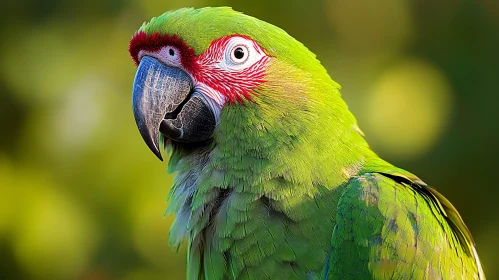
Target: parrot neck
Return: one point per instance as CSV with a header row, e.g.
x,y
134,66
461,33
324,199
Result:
x,y
308,149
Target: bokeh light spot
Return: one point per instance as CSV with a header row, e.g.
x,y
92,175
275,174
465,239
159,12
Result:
x,y
407,109
51,229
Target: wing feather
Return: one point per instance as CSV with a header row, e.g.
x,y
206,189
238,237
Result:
x,y
389,227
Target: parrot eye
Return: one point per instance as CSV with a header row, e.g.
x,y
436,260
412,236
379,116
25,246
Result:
x,y
239,54
170,52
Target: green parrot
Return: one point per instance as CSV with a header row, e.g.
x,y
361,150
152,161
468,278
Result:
x,y
274,179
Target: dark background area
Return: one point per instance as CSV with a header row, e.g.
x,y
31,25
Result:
x,y
81,196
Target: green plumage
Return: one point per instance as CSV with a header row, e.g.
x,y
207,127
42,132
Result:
x,y
289,188
389,227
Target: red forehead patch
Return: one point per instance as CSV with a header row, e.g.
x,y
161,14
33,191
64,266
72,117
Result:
x,y
155,41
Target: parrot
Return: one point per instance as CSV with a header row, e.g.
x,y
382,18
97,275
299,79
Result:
x,y
273,177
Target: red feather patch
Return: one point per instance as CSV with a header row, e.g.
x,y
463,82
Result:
x,y
155,41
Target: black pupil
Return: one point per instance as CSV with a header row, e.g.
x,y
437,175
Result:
x,y
171,52
239,53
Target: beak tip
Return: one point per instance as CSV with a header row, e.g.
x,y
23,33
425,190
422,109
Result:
x,y
154,148
153,144
151,138
158,154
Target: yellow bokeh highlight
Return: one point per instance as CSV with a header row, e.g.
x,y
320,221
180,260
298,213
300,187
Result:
x,y
46,227
7,198
408,109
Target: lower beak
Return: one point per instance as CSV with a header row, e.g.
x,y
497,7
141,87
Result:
x,y
164,101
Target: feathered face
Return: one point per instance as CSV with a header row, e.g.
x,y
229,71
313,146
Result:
x,y
227,71
192,63
180,94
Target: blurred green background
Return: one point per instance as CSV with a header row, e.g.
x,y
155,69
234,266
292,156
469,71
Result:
x,y
82,197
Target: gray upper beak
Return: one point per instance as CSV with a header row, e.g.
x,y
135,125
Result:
x,y
163,100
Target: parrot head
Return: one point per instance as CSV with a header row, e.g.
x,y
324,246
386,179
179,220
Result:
x,y
204,74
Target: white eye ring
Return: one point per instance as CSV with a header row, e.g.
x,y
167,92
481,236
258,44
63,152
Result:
x,y
239,54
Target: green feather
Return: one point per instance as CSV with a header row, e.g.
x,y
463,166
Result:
x,y
389,228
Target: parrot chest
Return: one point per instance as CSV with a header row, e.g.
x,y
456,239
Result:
x,y
245,232
245,222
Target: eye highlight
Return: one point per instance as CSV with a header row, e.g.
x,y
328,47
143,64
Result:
x,y
239,54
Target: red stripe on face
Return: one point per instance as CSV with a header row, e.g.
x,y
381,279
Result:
x,y
235,85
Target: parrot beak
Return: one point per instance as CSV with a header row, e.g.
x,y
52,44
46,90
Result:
x,y
164,101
